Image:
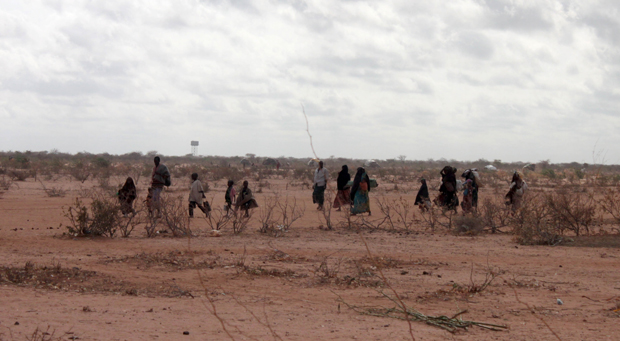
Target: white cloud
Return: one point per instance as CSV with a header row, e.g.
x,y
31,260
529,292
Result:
x,y
512,80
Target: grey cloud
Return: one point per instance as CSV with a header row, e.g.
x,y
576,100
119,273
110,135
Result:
x,y
466,78
505,15
77,86
606,26
11,27
603,102
475,44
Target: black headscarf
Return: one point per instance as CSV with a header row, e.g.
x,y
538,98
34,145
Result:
x,y
343,177
358,179
448,177
422,193
514,186
128,191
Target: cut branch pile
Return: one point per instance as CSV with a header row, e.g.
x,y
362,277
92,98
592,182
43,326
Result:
x,y
451,324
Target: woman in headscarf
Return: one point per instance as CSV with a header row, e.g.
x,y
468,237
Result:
x,y
468,196
448,188
344,192
472,174
245,199
514,197
126,196
423,199
359,192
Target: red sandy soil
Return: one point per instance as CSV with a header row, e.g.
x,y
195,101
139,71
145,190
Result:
x,y
146,289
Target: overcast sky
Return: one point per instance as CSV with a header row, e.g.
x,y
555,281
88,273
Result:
x,y
470,79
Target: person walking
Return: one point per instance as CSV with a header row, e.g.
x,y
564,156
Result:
x,y
321,176
448,197
359,193
468,197
472,174
245,199
422,199
230,195
126,195
518,187
159,178
196,194
344,192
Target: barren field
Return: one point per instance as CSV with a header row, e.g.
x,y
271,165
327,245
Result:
x,y
308,283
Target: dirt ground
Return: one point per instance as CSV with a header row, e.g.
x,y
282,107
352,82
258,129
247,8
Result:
x,y
294,287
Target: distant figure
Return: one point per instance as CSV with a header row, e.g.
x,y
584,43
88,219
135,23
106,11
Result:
x,y
278,165
447,197
359,193
159,179
196,196
468,196
517,190
245,199
423,199
126,195
230,195
472,174
343,197
321,176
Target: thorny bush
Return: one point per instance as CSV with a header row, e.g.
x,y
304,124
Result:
x,y
531,224
574,212
102,219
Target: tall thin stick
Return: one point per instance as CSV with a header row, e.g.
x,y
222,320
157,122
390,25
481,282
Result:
x,y
534,313
387,284
303,110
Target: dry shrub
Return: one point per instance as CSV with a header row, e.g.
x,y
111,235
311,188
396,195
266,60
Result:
x,y
602,240
175,215
53,192
5,182
278,214
429,217
267,216
19,175
80,170
240,221
176,260
574,212
325,214
398,212
49,277
531,223
42,335
610,203
127,224
490,274
469,225
102,219
494,215
218,218
228,173
325,272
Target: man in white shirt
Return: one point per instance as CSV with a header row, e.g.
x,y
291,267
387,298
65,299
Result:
x,y
321,176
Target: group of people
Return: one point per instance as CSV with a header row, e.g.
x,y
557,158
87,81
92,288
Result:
x,y
244,200
448,191
160,178
350,194
354,194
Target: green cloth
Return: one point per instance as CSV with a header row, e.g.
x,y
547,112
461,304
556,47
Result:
x,y
318,195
